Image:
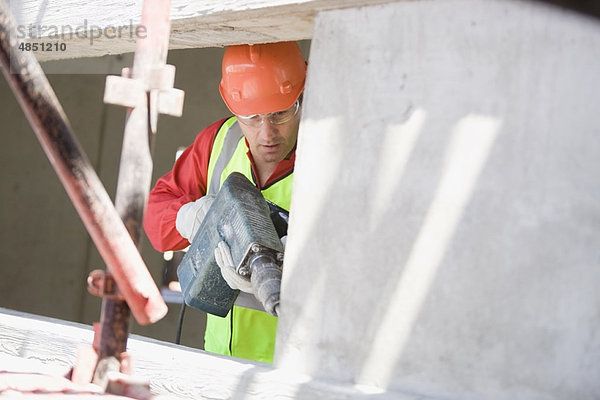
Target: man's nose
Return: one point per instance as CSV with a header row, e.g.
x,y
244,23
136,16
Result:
x,y
267,130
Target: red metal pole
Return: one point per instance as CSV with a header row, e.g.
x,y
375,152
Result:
x,y
50,124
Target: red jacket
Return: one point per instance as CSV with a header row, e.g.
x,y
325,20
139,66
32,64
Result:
x,y
186,182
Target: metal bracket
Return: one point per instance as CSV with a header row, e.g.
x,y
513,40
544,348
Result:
x,y
132,92
102,284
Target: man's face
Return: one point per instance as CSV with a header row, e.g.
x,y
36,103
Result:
x,y
270,142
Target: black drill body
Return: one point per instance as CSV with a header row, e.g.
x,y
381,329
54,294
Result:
x,y
241,217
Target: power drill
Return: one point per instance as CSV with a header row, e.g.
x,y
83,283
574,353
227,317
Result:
x,y
241,217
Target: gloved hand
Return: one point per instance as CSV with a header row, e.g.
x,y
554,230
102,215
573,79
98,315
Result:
x,y
225,262
190,216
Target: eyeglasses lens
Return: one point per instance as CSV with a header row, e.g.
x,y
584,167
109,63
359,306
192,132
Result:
x,y
275,118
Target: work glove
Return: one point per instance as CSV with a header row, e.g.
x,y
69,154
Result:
x,y
225,262
190,216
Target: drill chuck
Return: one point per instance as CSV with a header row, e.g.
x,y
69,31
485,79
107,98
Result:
x,y
265,276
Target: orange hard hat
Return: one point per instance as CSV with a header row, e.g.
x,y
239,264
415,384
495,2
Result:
x,y
262,78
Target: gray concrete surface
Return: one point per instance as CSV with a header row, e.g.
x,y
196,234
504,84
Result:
x,y
445,225
92,29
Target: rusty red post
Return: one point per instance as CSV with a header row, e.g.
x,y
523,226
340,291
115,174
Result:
x,y
50,124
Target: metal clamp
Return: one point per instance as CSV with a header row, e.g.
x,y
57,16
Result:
x,y
102,284
128,91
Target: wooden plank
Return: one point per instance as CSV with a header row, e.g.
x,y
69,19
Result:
x,y
111,27
172,369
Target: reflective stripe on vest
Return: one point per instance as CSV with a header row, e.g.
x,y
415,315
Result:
x,y
244,332
225,144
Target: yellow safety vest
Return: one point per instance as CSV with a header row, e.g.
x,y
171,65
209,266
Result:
x,y
244,332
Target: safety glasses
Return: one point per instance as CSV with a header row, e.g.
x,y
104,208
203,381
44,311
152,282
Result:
x,y
275,118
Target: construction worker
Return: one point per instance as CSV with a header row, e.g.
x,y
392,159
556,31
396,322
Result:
x,y
262,86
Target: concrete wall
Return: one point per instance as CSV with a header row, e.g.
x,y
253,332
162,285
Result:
x,y
445,225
